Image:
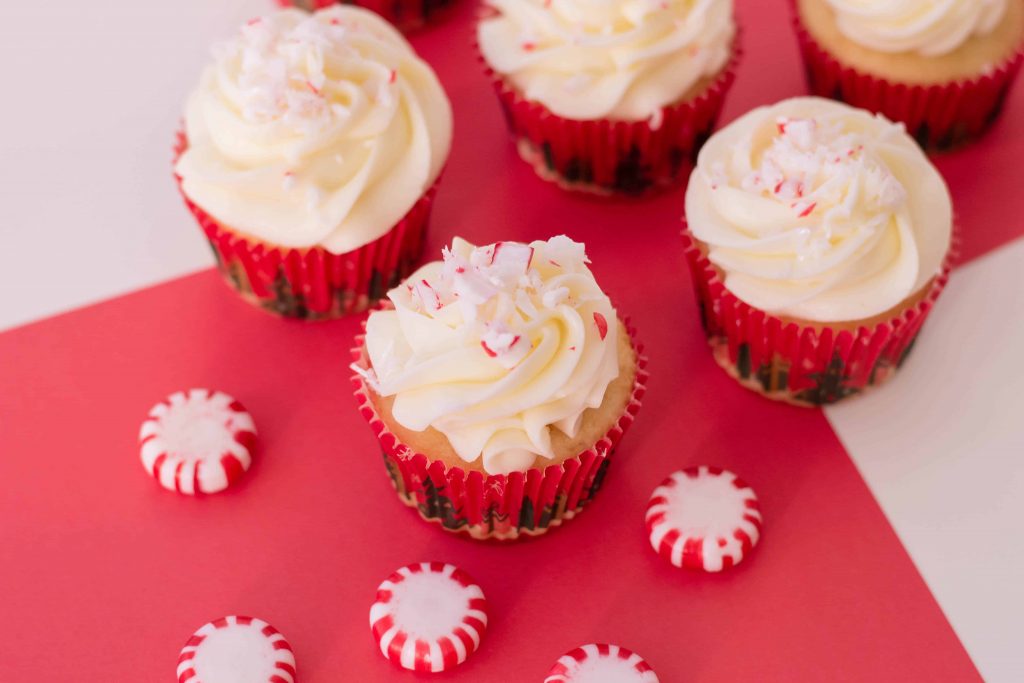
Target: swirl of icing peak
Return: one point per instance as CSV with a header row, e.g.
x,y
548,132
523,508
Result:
x,y
818,211
319,129
594,59
928,27
494,347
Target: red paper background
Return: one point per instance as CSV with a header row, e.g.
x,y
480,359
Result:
x,y
105,574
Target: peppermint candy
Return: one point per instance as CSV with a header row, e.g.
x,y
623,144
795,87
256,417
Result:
x,y
429,616
703,518
197,441
236,650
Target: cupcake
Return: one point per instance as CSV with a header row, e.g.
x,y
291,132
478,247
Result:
x,y
941,68
310,156
499,381
818,236
614,97
407,15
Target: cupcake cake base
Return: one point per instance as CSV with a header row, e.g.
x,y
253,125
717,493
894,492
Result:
x,y
497,507
313,283
606,157
805,364
940,115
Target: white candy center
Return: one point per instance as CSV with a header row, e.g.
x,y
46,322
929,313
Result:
x,y
610,670
704,507
197,430
429,606
237,654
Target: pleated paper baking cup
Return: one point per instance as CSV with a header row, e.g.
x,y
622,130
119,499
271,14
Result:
x,y
313,283
489,506
407,15
939,117
802,364
608,157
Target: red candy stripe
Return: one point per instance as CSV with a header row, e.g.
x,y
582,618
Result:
x,y
428,617
606,662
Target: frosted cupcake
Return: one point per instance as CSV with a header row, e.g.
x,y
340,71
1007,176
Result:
x,y
499,381
610,97
407,15
942,68
310,156
818,238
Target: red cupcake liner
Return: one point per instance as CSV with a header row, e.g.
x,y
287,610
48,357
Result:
x,y
489,506
799,364
614,157
407,15
939,117
313,283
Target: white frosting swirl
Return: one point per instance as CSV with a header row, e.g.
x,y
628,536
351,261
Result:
x,y
819,211
495,346
319,129
928,27
614,59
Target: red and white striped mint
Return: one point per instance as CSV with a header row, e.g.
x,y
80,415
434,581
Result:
x,y
703,518
197,441
236,650
429,616
600,663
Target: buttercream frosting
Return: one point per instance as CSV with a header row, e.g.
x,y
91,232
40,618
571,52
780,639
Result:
x,y
607,59
927,27
818,211
496,346
315,129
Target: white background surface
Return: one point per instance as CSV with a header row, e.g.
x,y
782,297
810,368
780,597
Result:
x,y
85,175
87,198
943,452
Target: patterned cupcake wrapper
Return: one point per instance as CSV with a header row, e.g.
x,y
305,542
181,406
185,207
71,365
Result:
x,y
407,15
800,364
630,158
939,117
499,507
313,283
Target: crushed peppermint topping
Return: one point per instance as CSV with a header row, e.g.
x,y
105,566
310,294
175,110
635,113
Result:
x,y
367,374
512,255
602,325
281,67
822,173
479,323
815,166
500,289
505,346
428,296
803,209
